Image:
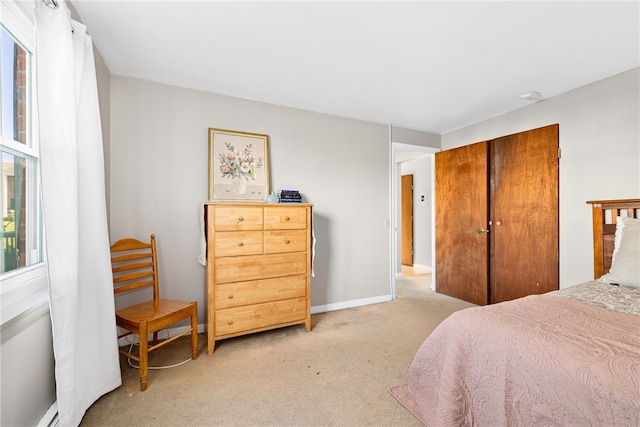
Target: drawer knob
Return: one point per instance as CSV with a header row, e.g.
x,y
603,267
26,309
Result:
x,y
286,218
240,219
241,244
229,322
230,296
286,241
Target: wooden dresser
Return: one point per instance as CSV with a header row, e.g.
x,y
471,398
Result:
x,y
258,268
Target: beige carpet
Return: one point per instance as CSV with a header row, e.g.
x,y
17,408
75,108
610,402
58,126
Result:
x,y
339,374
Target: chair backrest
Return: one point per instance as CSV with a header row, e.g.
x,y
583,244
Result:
x,y
134,265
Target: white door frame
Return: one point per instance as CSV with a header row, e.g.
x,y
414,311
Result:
x,y
399,153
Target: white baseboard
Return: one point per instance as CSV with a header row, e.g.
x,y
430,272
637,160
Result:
x,y
425,268
349,304
50,418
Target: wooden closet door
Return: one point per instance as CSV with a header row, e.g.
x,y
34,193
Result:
x,y
524,214
461,221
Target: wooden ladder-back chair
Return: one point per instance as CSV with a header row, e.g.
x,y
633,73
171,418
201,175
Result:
x,y
135,266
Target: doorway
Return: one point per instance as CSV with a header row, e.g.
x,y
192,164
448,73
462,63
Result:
x,y
401,153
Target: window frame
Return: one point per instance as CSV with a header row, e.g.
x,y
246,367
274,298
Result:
x,y
25,288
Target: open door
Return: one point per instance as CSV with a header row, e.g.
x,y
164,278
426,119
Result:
x,y
461,223
407,220
524,213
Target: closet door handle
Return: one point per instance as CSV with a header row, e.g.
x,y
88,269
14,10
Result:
x,y
481,230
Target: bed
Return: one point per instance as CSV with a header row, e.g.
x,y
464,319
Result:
x,y
568,357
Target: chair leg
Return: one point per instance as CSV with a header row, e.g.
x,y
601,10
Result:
x,y
144,356
194,331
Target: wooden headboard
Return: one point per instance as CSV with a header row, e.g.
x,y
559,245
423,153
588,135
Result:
x,y
605,216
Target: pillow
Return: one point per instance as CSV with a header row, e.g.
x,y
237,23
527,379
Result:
x,y
619,226
618,236
625,267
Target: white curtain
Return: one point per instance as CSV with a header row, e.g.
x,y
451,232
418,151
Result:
x,y
73,194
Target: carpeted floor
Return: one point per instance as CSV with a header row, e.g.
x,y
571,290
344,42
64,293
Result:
x,y
339,374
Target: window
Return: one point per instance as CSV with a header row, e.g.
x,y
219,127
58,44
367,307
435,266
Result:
x,y
22,271
21,243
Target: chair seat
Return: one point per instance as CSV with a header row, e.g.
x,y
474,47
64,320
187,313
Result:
x,y
157,314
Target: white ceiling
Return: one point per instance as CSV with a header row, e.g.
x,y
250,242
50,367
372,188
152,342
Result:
x,y
423,65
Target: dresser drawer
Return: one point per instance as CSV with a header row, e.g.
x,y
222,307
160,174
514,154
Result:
x,y
239,269
234,320
235,243
258,291
285,218
277,241
231,218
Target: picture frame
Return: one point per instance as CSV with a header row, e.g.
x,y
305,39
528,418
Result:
x,y
238,166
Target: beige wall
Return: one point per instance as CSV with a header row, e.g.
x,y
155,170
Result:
x,y
600,142
27,366
158,160
414,137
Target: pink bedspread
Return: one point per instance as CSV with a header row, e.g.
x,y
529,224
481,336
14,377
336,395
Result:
x,y
538,360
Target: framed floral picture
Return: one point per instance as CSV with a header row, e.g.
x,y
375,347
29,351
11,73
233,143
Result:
x,y
238,166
